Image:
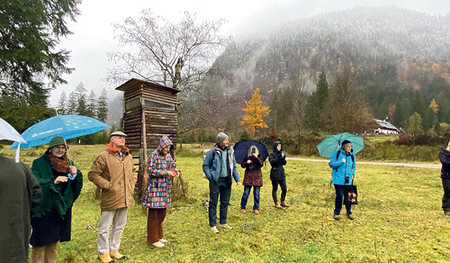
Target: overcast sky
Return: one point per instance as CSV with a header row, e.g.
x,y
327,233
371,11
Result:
x,y
93,33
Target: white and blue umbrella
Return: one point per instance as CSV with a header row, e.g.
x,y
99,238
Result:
x,y
7,132
66,126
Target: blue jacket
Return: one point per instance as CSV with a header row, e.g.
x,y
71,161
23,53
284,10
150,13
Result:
x,y
341,169
212,167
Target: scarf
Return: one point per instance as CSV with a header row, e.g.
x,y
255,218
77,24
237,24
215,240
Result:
x,y
59,164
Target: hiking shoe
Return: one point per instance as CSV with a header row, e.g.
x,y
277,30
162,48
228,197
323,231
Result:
x,y
283,204
256,212
336,217
105,258
158,244
214,229
243,210
277,205
225,226
164,241
350,216
115,254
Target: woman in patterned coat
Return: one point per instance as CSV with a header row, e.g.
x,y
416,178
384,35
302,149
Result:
x,y
157,195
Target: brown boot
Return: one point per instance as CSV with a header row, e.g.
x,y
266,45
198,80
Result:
x,y
105,258
284,204
256,212
277,205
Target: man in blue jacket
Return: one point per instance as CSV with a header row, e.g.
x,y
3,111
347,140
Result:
x,y
343,164
219,166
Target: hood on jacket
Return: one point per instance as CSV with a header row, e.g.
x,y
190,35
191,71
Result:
x,y
163,142
275,144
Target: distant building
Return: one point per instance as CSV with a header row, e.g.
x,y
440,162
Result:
x,y
382,127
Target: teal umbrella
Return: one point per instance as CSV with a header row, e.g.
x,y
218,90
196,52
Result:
x,y
333,142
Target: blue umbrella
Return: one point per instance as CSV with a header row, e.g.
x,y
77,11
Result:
x,y
333,142
241,150
66,126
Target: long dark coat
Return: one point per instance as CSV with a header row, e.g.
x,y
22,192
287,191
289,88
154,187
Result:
x,y
253,175
20,197
277,162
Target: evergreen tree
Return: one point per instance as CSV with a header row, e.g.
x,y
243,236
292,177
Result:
x,y
91,107
315,104
417,104
72,104
80,95
398,119
415,123
30,31
62,103
102,113
254,114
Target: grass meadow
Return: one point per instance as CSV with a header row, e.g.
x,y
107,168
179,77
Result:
x,y
398,218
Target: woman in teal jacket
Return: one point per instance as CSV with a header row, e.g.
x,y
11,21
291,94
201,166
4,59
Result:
x,y
343,164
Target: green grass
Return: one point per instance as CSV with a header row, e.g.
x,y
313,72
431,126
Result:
x,y
398,218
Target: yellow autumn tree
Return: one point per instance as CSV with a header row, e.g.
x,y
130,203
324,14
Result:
x,y
254,114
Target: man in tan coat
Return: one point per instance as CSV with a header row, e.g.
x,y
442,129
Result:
x,y
113,171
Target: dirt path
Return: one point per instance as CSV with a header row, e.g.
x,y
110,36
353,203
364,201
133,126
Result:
x,y
432,166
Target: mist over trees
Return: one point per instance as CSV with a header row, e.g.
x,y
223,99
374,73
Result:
x,y
399,64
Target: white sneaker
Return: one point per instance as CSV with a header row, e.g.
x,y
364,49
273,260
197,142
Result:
x,y
164,241
158,244
225,226
214,229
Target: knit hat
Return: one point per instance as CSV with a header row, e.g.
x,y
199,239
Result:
x,y
221,137
345,143
56,141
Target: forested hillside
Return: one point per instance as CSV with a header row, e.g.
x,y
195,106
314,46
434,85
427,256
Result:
x,y
400,59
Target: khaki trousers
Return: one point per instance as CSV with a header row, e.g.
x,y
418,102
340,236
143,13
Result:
x,y
119,220
44,254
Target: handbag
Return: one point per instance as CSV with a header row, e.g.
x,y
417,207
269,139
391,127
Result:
x,y
350,194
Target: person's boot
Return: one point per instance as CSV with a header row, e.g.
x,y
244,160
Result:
x,y
243,210
105,258
284,204
115,254
256,212
277,205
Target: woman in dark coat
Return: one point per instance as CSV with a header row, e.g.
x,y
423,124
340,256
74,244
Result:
x,y
61,184
277,159
252,177
444,157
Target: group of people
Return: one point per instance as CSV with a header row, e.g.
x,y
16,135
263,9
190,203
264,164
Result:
x,y
54,183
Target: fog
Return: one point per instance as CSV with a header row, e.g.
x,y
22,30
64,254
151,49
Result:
x,y
93,34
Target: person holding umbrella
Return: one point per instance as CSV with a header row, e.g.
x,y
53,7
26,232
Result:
x,y
157,194
61,184
252,177
277,159
343,164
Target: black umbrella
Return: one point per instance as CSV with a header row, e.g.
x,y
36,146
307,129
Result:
x,y
241,150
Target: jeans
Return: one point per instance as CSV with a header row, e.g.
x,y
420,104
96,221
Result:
x,y
340,199
223,188
246,193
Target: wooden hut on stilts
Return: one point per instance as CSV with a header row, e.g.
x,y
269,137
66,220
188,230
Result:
x,y
150,112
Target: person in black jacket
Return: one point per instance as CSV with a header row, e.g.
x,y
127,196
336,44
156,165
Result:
x,y
444,157
277,159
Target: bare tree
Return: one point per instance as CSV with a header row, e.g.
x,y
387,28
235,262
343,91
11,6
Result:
x,y
173,54
345,109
